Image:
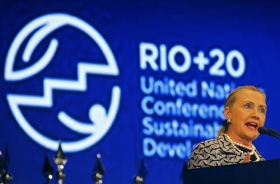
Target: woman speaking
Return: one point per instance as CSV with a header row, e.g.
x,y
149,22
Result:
x,y
245,111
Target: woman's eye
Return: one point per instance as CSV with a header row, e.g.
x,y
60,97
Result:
x,y
262,110
248,106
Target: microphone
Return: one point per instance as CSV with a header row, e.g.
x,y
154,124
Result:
x,y
269,131
262,130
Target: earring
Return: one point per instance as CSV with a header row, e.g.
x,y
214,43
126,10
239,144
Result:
x,y
228,121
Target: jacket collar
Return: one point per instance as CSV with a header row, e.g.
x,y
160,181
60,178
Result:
x,y
227,146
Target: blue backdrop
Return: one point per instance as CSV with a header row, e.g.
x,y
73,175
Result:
x,y
130,80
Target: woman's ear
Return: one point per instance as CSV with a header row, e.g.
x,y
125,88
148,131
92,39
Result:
x,y
227,112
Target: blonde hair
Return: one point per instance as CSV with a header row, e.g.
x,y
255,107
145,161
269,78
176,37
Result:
x,y
232,98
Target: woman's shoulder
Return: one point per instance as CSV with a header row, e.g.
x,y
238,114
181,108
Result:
x,y
207,143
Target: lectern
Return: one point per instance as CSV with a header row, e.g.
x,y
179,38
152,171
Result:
x,y
263,172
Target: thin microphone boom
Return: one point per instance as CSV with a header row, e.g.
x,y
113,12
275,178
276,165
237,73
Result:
x,y
273,133
269,131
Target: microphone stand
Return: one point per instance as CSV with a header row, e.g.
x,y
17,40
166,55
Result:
x,y
60,160
269,131
277,136
98,171
273,133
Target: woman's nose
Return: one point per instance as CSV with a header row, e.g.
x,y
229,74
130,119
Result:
x,y
256,113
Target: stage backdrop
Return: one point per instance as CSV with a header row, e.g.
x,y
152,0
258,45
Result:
x,y
131,80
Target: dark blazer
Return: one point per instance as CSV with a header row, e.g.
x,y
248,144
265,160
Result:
x,y
216,152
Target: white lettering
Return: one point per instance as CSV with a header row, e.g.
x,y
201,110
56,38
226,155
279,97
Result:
x,y
168,86
148,55
178,49
215,91
177,129
151,106
166,149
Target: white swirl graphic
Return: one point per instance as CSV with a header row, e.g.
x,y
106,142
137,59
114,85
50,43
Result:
x,y
101,118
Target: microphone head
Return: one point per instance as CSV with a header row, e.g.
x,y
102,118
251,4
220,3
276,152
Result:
x,y
262,130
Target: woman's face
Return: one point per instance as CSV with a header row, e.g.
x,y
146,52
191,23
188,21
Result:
x,y
247,113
